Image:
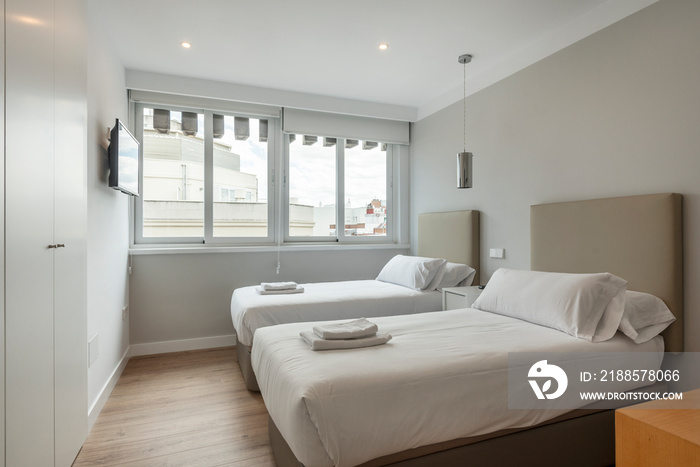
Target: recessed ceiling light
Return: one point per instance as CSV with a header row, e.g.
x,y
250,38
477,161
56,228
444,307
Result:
x,y
383,46
186,44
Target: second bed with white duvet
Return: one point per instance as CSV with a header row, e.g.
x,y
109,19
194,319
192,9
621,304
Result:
x,y
443,376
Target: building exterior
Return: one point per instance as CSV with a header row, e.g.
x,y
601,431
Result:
x,y
364,220
173,189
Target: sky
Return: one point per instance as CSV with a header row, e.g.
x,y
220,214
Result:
x,y
312,174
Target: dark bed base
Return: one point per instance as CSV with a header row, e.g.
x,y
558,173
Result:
x,y
585,441
243,357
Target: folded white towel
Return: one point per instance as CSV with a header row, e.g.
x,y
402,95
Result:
x,y
261,291
316,343
278,285
349,330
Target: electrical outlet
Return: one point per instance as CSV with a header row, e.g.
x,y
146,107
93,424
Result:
x,y
125,312
93,350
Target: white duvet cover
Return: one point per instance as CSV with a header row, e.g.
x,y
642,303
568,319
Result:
x,y
324,301
443,376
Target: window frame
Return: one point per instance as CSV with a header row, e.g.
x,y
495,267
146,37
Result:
x,y
397,195
340,237
208,237
269,239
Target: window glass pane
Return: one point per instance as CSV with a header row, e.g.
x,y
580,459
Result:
x,y
311,186
240,177
365,189
173,174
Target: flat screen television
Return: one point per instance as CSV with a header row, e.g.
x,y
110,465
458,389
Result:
x,y
123,160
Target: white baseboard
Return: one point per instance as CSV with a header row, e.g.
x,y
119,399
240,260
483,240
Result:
x,y
99,404
152,348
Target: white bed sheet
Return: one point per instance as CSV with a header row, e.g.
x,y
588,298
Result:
x,y
324,301
443,376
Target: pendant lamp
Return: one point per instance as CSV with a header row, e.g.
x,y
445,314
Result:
x,y
464,158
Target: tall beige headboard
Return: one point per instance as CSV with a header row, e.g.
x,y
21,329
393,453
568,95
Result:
x,y
638,238
451,235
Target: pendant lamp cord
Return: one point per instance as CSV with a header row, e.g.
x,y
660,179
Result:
x,y
465,106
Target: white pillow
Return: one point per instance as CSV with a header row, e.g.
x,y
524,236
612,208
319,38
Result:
x,y
437,278
414,272
612,315
645,316
588,306
454,274
467,281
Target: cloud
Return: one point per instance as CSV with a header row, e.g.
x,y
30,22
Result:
x,y
312,174
365,175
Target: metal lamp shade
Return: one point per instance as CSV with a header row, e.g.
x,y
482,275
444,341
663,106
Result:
x,y
464,170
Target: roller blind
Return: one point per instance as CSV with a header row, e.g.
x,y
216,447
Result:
x,y
308,122
177,100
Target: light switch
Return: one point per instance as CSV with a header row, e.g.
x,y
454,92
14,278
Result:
x,y
498,253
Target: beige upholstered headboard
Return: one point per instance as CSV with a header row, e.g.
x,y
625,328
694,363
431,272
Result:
x,y
451,235
639,238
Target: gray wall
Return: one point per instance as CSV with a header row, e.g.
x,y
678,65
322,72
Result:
x,y
615,114
188,296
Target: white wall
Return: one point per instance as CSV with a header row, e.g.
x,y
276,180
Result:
x,y
615,114
108,219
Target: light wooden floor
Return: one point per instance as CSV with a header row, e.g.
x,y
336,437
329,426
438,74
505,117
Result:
x,y
180,409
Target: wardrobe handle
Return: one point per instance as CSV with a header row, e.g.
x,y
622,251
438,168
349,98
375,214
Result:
x,y
58,245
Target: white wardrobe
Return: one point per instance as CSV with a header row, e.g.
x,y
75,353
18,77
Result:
x,y
45,192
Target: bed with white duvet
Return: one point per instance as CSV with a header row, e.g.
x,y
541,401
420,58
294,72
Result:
x,y
325,301
443,376
405,285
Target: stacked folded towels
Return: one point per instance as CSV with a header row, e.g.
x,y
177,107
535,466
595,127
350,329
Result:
x,y
349,335
274,288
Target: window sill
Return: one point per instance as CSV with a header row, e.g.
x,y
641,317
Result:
x,y
137,250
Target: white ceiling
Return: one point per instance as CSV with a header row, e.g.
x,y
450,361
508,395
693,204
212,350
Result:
x,y
329,47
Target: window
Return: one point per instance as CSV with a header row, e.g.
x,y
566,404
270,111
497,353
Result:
x,y
173,173
240,175
312,187
365,189
334,178
232,176
189,154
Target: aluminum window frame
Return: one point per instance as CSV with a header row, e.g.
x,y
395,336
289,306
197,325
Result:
x,y
273,126
340,237
397,196
208,237
389,237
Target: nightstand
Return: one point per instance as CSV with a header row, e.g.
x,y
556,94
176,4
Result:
x,y
459,297
649,435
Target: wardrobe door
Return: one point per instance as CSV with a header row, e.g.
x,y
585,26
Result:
x,y
29,216
70,229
